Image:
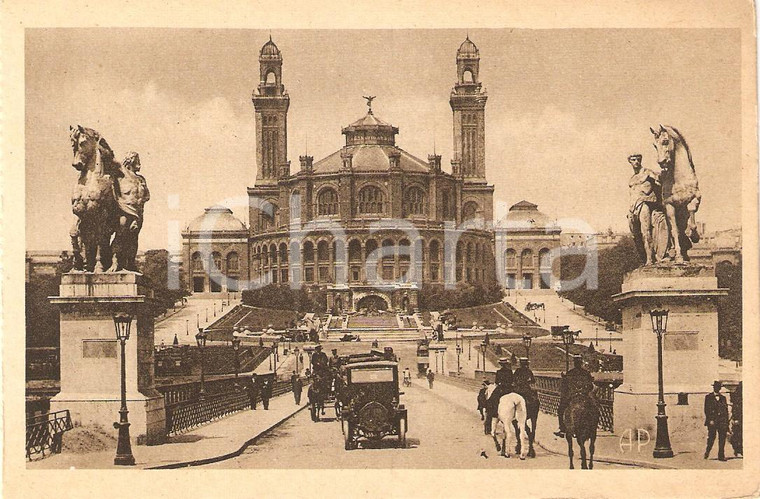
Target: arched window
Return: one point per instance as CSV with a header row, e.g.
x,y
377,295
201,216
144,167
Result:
x,y
354,251
295,205
271,78
511,258
233,262
371,200
273,254
526,258
197,261
470,210
323,251
388,250
543,258
283,253
434,251
467,76
215,263
327,202
269,216
308,251
370,248
414,201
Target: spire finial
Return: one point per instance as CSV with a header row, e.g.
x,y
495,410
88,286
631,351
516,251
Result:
x,y
369,98
270,35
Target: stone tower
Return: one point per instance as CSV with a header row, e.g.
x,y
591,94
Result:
x,y
468,102
271,102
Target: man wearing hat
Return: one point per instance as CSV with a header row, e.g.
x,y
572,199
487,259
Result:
x,y
523,378
503,386
319,360
577,381
716,420
334,361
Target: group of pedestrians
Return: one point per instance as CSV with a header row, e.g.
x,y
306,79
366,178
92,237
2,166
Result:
x,y
719,423
260,387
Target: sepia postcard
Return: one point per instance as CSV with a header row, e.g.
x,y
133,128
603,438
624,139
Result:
x,y
430,249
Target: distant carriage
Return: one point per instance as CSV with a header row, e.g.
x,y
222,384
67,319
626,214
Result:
x,y
423,358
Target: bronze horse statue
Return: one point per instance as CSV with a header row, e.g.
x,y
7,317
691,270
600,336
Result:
x,y
93,201
680,189
581,420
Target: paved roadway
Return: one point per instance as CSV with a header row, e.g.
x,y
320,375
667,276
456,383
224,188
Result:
x,y
441,435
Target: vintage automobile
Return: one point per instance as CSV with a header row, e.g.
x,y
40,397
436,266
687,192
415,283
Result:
x,y
370,403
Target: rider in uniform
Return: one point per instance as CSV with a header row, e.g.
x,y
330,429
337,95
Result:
x,y
319,361
523,378
334,361
577,381
504,382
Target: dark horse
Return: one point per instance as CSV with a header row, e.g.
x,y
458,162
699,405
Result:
x,y
532,406
317,393
581,421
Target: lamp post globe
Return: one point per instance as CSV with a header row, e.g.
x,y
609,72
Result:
x,y
662,448
122,323
527,340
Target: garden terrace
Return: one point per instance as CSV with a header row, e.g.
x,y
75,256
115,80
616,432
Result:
x,y
251,318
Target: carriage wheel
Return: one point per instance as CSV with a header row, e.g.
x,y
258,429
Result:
x,y
402,433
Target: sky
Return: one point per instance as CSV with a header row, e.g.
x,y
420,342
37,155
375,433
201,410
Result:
x,y
565,109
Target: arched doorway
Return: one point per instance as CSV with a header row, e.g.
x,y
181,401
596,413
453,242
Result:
x,y
372,303
338,308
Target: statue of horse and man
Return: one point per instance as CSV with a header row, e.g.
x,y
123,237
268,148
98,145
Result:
x,y
663,205
108,201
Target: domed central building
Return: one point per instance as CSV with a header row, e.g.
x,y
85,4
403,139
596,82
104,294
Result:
x,y
370,222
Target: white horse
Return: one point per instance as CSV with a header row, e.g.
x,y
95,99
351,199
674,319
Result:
x,y
511,409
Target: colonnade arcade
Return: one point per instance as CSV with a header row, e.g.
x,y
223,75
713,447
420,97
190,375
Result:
x,y
376,258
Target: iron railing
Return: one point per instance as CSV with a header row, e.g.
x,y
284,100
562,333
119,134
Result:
x,y
45,432
548,388
185,409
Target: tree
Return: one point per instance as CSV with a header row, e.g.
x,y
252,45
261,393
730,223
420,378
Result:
x,y
282,297
613,264
730,310
155,268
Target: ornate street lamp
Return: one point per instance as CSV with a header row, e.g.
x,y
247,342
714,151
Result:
x,y
568,338
122,322
662,444
527,340
200,338
295,353
276,354
596,330
236,349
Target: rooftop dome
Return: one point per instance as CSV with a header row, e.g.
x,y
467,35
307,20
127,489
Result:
x,y
370,130
525,216
216,219
467,50
270,50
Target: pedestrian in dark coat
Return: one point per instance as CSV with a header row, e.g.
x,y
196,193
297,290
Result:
x,y
297,385
253,390
483,400
430,378
736,421
716,420
266,393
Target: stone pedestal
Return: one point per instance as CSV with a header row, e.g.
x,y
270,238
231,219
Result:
x,y
90,354
690,347
438,350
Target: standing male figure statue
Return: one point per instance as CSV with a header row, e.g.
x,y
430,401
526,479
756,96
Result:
x,y
131,193
646,218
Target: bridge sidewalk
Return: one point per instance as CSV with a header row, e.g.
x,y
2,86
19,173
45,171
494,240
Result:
x,y
688,454
212,442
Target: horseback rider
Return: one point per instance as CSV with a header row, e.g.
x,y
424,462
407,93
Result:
x,y
577,381
504,385
334,361
319,361
523,378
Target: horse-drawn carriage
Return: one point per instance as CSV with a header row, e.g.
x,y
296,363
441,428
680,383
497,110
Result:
x,y
370,403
